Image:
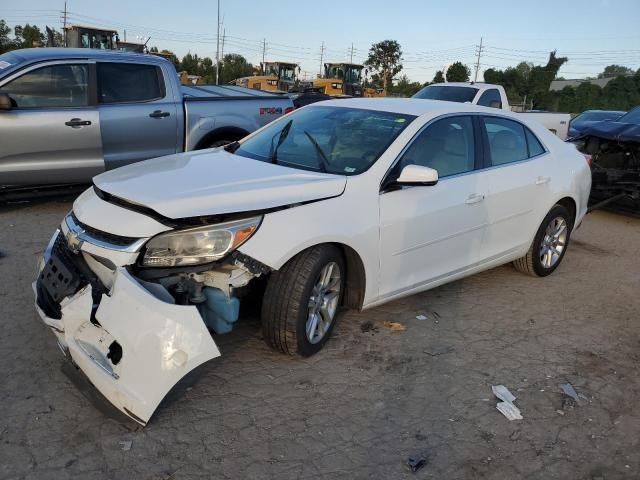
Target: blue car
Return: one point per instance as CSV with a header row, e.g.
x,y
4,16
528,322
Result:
x,y
589,117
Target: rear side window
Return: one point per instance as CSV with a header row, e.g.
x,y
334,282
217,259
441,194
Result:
x,y
507,141
64,85
490,98
129,83
535,147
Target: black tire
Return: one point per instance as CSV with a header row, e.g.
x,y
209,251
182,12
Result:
x,y
286,301
531,263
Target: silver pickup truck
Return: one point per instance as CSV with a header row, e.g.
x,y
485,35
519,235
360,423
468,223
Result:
x,y
69,114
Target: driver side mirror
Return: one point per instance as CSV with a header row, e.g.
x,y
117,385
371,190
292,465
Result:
x,y
417,175
5,102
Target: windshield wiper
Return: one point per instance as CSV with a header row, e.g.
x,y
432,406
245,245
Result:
x,y
232,147
325,161
273,155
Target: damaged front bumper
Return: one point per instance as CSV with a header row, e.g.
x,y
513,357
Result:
x,y
131,345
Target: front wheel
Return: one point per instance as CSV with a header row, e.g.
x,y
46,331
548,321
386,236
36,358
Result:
x,y
549,245
302,300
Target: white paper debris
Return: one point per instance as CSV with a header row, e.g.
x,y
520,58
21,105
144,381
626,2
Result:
x,y
502,393
509,410
569,391
126,445
420,317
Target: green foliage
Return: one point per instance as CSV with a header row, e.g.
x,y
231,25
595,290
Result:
x,y
6,43
458,72
385,59
234,66
615,71
404,87
438,77
28,36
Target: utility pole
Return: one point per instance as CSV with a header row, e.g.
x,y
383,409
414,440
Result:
x,y
64,23
264,51
351,57
475,77
322,48
222,48
218,47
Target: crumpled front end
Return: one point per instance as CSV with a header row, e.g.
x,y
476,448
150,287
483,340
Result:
x,y
134,330
131,345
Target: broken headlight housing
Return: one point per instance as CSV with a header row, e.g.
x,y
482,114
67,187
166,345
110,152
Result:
x,y
195,246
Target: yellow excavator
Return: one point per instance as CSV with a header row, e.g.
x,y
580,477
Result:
x,y
274,77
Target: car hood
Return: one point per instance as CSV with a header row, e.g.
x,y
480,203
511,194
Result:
x,y
215,182
623,132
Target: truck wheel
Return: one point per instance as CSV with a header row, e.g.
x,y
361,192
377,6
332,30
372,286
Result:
x,y
549,245
302,300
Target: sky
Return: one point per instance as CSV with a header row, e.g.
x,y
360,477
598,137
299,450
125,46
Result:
x,y
432,34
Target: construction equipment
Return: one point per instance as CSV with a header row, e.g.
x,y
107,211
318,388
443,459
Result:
x,y
273,77
341,79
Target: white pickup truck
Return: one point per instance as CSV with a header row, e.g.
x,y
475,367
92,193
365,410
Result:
x,y
488,95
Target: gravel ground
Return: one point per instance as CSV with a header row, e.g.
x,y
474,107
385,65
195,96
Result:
x,y
373,396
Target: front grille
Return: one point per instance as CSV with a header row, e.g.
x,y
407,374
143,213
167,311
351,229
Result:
x,y
81,275
104,236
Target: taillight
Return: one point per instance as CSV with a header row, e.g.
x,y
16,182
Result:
x,y
288,110
588,158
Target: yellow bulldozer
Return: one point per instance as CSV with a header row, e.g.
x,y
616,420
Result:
x,y
344,79
273,77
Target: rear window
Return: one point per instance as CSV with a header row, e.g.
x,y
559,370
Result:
x,y
129,83
447,93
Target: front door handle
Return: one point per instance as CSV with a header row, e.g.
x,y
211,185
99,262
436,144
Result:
x,y
474,198
543,180
159,114
77,123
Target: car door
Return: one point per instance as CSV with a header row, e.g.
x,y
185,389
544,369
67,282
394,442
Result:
x,y
518,174
431,232
52,132
138,114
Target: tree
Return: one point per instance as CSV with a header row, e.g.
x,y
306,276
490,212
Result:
x,y
458,72
405,87
5,42
615,71
28,36
385,59
438,77
234,66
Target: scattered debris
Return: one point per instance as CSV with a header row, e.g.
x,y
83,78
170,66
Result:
x,y
368,326
126,445
502,393
394,326
436,351
560,412
416,461
421,317
506,406
515,435
569,391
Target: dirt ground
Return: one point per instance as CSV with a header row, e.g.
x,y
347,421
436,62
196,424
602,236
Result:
x,y
373,396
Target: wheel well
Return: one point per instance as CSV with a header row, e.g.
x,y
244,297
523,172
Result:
x,y
570,204
225,133
356,278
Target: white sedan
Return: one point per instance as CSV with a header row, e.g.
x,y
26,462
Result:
x,y
345,203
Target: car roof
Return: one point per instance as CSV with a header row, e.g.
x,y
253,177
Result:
x,y
412,106
55,53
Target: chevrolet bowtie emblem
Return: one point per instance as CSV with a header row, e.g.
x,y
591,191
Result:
x,y
74,241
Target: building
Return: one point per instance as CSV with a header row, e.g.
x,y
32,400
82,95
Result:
x,y
558,85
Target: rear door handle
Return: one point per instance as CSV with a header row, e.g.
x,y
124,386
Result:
x,y
543,180
474,198
159,114
77,123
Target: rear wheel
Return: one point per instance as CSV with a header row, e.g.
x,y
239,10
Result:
x,y
301,302
549,245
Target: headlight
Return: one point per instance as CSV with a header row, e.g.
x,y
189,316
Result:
x,y
199,245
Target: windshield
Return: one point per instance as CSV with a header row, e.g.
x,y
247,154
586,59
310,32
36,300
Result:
x,y
595,116
353,75
448,93
632,117
343,141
